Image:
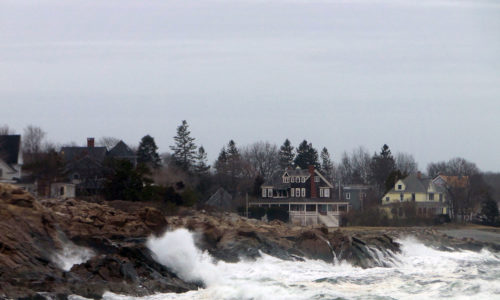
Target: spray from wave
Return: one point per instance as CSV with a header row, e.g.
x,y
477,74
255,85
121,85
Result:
x,y
420,272
71,255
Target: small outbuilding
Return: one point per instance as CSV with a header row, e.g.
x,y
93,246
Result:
x,y
221,200
62,190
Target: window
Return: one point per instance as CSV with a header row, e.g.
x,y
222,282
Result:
x,y
269,192
440,197
292,179
303,179
348,196
431,196
303,192
264,193
327,193
61,191
387,199
413,198
321,192
286,179
362,196
76,176
1,172
316,179
401,197
292,192
400,187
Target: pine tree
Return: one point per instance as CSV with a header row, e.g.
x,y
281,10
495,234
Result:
x,y
306,156
184,150
326,164
147,152
286,155
201,167
233,160
381,167
221,162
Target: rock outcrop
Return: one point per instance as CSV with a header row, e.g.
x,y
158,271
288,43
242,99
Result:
x,y
34,234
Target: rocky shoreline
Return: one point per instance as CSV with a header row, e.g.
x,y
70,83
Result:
x,y
34,234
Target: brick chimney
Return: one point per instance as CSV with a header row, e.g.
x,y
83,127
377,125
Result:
x,y
314,194
90,142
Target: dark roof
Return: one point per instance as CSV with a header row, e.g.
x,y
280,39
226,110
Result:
x,y
296,172
75,153
277,183
10,146
221,199
121,150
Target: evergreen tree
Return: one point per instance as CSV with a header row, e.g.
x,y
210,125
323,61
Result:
x,y
490,210
326,164
286,155
221,162
201,167
381,167
232,151
306,156
234,162
124,182
148,152
184,150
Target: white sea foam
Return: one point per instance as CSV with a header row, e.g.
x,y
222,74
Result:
x,y
71,255
420,272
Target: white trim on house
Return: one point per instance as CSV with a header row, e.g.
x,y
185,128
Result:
x,y
324,179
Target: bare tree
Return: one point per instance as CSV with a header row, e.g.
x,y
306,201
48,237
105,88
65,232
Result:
x,y
33,140
456,166
406,163
6,130
354,167
108,141
263,158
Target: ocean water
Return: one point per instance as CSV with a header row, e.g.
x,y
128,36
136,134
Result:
x,y
419,272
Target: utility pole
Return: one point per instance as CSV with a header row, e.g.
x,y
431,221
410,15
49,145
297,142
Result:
x,y
246,197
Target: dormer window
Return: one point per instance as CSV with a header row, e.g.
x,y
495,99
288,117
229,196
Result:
x,y
316,179
293,179
400,186
303,179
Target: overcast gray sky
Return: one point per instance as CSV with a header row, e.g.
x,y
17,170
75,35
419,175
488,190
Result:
x,y
422,76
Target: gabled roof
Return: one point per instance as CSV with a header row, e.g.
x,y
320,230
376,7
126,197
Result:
x,y
10,146
76,153
454,181
296,172
221,199
121,150
276,180
416,185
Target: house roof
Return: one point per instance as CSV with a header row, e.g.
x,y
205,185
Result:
x,y
76,153
221,199
276,180
121,150
10,146
455,181
296,172
418,185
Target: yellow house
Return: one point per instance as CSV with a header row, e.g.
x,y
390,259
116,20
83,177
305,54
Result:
x,y
429,198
